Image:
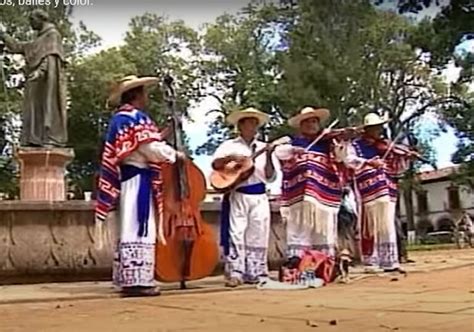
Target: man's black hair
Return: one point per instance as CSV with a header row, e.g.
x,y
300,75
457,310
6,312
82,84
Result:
x,y
130,95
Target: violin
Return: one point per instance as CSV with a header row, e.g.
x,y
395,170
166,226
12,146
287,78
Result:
x,y
346,133
188,249
330,133
398,149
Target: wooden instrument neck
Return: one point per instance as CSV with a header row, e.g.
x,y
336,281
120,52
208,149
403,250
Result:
x,y
181,180
258,153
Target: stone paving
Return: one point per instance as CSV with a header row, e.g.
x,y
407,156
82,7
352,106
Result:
x,y
424,262
439,300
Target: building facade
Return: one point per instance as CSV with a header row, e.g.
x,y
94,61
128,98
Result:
x,y
439,202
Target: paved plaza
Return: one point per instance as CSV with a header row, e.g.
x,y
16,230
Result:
x,y
436,295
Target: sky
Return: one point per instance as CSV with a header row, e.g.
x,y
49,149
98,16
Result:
x,y
109,19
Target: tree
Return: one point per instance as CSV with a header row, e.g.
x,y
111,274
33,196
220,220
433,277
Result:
x,y
377,69
152,46
91,79
240,67
440,37
462,119
156,47
324,62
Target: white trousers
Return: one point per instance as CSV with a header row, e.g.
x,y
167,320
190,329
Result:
x,y
380,223
310,227
134,259
249,236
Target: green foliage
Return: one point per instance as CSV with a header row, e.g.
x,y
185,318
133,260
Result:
x,y
88,114
8,177
348,56
150,47
462,119
239,68
157,47
324,60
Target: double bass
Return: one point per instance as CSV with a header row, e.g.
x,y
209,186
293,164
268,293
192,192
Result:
x,y
190,250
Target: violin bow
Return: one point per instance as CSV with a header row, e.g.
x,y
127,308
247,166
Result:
x,y
316,140
392,144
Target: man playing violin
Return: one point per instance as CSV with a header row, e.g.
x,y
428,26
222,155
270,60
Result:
x,y
311,190
376,163
130,181
245,224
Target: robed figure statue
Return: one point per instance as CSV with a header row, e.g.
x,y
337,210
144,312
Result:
x,y
44,104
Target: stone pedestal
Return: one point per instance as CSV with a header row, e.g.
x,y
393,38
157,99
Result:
x,y
42,172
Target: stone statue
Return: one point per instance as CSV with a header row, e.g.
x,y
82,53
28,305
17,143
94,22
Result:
x,y
44,104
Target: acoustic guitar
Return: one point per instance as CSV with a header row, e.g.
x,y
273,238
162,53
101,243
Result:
x,y
237,169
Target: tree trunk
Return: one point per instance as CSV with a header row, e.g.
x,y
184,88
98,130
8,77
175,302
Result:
x,y
402,236
408,199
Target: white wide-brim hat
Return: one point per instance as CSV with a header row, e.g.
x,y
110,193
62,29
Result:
x,y
236,116
373,119
308,112
128,83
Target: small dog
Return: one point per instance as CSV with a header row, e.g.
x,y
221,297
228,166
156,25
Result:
x,y
344,260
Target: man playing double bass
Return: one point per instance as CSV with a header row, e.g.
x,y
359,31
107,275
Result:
x,y
376,164
130,181
311,189
245,220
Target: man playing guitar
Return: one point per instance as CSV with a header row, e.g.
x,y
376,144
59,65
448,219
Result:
x,y
245,224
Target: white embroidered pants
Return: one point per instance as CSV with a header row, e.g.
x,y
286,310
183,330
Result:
x,y
249,236
380,222
134,259
310,230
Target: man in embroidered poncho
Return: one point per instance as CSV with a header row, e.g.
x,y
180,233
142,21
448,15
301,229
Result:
x,y
130,182
311,190
245,219
376,189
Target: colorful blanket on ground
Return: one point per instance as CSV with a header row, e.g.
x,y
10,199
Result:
x,y
127,129
313,175
307,269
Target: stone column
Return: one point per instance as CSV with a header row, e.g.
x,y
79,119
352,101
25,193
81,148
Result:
x,y
42,173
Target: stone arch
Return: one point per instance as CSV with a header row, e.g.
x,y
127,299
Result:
x,y
445,224
424,226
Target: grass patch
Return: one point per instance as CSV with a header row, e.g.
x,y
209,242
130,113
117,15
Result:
x,y
430,247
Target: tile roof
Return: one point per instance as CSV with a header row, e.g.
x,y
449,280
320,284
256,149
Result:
x,y
437,174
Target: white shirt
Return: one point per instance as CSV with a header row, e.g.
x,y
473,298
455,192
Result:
x,y
153,152
238,146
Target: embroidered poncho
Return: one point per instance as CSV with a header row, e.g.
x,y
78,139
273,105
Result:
x,y
128,129
373,182
311,176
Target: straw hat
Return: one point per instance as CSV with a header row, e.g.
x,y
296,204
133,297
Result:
x,y
308,112
128,83
250,112
373,119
